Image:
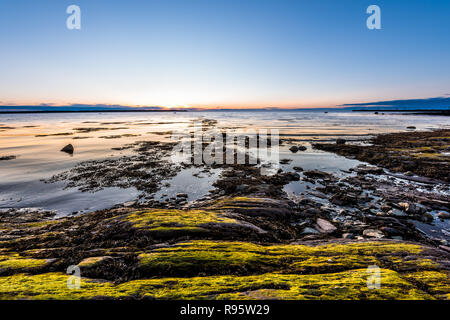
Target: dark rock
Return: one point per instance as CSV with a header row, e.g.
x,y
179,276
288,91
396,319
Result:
x,y
344,198
411,127
341,141
182,195
294,176
68,149
317,174
5,158
285,161
391,231
298,168
293,149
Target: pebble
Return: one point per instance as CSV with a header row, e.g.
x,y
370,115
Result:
x,y
309,230
372,233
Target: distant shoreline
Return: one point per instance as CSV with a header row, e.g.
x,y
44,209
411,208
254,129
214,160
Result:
x,y
417,111
411,112
87,111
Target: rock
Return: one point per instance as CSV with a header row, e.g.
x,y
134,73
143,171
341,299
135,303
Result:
x,y
242,187
7,158
412,208
182,195
397,238
373,233
325,226
445,248
397,213
411,127
344,199
316,174
68,149
364,169
427,217
298,168
293,176
443,215
348,236
94,261
129,204
285,161
309,230
408,173
340,141
391,231
294,149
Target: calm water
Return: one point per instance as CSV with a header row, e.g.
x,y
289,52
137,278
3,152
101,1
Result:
x,y
39,157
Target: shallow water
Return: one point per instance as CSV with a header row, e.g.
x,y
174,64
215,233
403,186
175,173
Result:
x,y
39,157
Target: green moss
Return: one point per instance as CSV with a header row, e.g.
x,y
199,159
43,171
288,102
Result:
x,y
15,261
173,220
348,285
91,261
207,256
41,224
343,285
428,155
212,257
434,282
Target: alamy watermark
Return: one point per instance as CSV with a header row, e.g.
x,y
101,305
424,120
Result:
x,y
374,279
74,281
73,21
374,20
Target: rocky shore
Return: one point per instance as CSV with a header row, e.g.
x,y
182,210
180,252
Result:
x,y
247,239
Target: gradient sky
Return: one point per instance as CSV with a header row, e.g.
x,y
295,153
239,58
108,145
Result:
x,y
230,53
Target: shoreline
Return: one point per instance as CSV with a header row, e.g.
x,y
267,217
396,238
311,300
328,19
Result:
x,y
87,111
248,239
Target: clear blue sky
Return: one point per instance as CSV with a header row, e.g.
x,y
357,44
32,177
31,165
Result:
x,y
223,52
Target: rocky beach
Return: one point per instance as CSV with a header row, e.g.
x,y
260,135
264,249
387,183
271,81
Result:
x,y
300,233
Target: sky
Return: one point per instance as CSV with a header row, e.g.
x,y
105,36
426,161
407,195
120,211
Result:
x,y
223,53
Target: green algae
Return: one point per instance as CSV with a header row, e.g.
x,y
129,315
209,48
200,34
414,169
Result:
x,y
16,262
288,271
213,257
173,220
342,285
434,282
92,261
41,224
